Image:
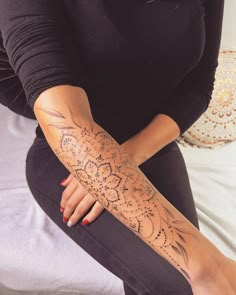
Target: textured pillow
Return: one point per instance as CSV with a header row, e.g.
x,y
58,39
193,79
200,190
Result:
x,y
217,125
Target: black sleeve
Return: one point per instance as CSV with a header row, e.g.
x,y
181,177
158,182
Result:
x,y
12,94
192,96
37,41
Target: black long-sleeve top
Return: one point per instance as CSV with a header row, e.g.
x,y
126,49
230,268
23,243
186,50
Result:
x,y
133,58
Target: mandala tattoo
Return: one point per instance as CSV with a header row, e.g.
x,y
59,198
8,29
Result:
x,y
113,179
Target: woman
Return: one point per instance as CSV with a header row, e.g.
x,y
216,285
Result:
x,y
112,85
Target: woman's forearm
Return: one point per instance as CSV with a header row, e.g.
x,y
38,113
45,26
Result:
x,y
152,138
105,169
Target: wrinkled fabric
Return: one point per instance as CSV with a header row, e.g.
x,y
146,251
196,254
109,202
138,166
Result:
x,y
131,57
12,93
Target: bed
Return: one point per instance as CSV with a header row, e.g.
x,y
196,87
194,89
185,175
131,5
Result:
x,y
36,257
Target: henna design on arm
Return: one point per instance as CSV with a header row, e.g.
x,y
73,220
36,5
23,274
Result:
x,y
114,180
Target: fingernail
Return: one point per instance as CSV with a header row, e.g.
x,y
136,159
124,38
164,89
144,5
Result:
x,y
85,222
62,182
65,219
69,223
61,209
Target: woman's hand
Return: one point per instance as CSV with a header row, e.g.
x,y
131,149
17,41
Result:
x,y
221,280
76,201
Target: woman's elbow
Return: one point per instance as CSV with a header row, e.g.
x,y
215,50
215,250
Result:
x,y
62,103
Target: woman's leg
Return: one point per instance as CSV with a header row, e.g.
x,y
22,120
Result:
x,y
107,240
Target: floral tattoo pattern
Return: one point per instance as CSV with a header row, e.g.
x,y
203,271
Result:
x,y
113,179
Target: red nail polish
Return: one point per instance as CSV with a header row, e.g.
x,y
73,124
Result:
x,y
62,182
62,209
65,219
85,222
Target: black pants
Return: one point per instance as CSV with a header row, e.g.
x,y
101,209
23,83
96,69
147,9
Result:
x,y
107,240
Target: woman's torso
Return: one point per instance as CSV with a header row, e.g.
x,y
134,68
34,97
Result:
x,y
131,55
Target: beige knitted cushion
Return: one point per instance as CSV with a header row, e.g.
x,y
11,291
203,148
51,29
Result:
x,y
218,124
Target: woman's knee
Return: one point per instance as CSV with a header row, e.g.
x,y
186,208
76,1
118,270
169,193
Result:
x,y
44,171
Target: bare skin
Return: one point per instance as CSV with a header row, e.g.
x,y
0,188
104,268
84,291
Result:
x,y
76,201
141,146
222,280
110,175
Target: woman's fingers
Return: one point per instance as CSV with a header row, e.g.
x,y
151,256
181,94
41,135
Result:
x,y
93,213
67,180
82,207
74,202
68,191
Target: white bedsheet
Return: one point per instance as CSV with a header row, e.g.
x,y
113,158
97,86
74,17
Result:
x,y
212,174
36,257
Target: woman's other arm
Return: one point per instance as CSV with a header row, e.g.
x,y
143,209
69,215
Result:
x,y
192,96
189,100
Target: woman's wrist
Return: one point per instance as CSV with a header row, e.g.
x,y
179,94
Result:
x,y
161,131
133,152
210,261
